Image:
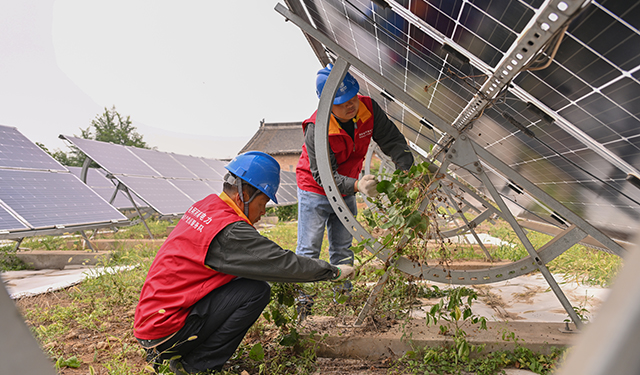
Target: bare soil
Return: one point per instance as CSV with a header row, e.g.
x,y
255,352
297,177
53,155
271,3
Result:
x,y
112,342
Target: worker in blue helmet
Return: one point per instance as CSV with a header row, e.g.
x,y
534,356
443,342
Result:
x,y
207,284
355,121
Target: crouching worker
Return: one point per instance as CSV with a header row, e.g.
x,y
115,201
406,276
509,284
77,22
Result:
x,y
207,284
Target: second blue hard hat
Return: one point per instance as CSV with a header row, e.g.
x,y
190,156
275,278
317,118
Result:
x,y
258,169
347,90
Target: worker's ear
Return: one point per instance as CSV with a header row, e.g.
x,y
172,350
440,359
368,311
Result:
x,y
236,198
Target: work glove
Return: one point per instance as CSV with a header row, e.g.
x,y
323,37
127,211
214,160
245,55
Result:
x,y
367,185
346,272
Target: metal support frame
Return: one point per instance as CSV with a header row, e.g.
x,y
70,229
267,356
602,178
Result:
x,y
473,232
477,155
18,243
59,230
85,170
86,239
462,153
401,96
455,232
125,189
374,295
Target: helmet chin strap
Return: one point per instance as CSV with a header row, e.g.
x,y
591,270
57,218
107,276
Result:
x,y
238,183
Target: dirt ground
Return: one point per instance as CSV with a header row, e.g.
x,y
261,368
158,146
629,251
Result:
x,y
112,343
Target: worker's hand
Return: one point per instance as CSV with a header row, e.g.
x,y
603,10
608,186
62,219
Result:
x,y
346,272
367,185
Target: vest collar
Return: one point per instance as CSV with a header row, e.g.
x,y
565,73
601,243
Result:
x,y
361,117
226,199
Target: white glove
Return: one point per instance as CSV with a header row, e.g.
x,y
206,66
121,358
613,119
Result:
x,y
367,185
346,272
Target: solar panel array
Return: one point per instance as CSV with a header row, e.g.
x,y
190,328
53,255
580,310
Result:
x,y
38,193
97,180
569,121
169,183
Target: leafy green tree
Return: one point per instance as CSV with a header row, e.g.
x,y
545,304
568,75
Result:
x,y
59,155
109,126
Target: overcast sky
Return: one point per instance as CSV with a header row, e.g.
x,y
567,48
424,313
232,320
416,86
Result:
x,y
196,77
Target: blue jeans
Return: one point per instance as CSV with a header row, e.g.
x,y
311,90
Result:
x,y
314,214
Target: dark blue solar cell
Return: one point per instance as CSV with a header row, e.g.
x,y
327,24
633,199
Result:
x,y
442,16
613,40
197,166
17,151
160,194
541,90
8,222
486,28
512,14
196,189
105,188
217,166
46,199
610,114
588,124
116,159
626,94
628,10
163,163
583,63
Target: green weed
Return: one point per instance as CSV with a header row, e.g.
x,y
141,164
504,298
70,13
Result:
x,y
9,261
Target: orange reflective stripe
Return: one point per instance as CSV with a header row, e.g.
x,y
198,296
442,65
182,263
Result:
x,y
226,199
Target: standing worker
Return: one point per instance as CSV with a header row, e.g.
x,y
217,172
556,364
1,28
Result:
x,y
354,121
206,286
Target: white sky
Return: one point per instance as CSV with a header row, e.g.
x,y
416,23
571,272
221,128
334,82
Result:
x,y
196,77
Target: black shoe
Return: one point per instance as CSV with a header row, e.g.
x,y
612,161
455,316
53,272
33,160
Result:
x,y
153,358
304,304
176,366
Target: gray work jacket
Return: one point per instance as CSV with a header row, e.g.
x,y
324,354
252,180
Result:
x,y
240,250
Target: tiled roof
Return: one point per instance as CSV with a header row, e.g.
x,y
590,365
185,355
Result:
x,y
277,138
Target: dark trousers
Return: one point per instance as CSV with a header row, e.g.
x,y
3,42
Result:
x,y
217,324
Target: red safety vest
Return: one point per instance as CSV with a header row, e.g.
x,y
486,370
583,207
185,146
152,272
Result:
x,y
178,277
349,153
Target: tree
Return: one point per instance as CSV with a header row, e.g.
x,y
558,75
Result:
x,y
109,126
59,155
113,127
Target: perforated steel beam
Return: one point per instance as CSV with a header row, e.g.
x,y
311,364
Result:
x,y
407,100
476,157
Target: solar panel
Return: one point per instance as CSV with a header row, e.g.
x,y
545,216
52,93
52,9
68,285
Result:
x,y
164,163
217,166
103,186
582,109
160,194
533,103
116,159
197,166
16,151
8,221
196,189
46,199
287,192
165,181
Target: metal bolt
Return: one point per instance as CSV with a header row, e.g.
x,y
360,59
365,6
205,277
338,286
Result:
x,y
453,150
450,156
463,137
476,164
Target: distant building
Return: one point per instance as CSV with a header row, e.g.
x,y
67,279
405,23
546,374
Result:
x,y
282,140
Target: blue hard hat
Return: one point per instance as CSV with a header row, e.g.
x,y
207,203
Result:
x,y
259,170
347,90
